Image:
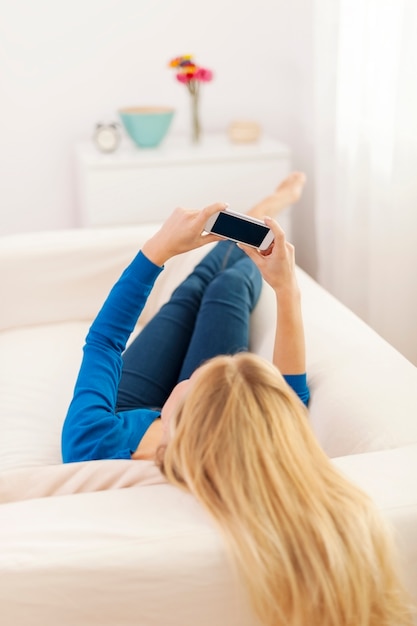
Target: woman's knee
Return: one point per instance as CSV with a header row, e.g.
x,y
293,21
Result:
x,y
236,284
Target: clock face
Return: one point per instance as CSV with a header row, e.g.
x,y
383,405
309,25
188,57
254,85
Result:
x,y
107,138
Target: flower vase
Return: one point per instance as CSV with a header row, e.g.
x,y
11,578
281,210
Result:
x,y
195,118
192,76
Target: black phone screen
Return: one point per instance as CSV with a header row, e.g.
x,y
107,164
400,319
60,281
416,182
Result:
x,y
235,228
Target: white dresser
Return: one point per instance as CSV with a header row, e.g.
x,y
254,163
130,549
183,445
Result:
x,y
135,185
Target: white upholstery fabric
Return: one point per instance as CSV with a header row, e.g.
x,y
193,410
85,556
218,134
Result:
x,y
110,542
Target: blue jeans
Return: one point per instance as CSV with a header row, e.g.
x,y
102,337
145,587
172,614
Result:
x,y
207,315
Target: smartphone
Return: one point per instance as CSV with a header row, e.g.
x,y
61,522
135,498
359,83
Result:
x,y
240,228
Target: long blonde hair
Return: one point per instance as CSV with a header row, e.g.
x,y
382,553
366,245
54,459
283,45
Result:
x,y
310,546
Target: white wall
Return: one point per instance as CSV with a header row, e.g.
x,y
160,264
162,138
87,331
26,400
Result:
x,y
65,66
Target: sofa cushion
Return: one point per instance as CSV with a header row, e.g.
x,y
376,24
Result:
x,y
38,367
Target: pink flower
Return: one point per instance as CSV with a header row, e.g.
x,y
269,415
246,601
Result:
x,y
203,75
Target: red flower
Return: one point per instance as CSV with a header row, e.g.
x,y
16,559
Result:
x,y
185,78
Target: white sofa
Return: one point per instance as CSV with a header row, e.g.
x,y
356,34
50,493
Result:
x,y
109,543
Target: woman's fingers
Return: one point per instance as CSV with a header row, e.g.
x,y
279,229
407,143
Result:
x,y
210,210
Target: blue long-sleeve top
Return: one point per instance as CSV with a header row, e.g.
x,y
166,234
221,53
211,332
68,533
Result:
x,y
92,428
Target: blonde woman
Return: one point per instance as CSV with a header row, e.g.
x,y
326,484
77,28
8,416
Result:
x,y
309,546
116,408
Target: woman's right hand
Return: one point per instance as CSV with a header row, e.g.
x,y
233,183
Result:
x,y
181,232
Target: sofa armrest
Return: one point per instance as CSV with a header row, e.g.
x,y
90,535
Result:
x,y
62,275
363,391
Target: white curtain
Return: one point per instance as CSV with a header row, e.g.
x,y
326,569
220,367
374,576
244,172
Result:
x,y
365,71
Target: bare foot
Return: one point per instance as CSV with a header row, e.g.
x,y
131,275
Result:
x,y
288,192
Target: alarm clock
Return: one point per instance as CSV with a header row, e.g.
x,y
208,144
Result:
x,y
107,137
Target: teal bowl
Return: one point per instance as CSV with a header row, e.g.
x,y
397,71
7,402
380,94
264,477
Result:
x,y
146,126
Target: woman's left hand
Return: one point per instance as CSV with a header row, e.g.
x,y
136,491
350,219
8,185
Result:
x,y
182,231
277,264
